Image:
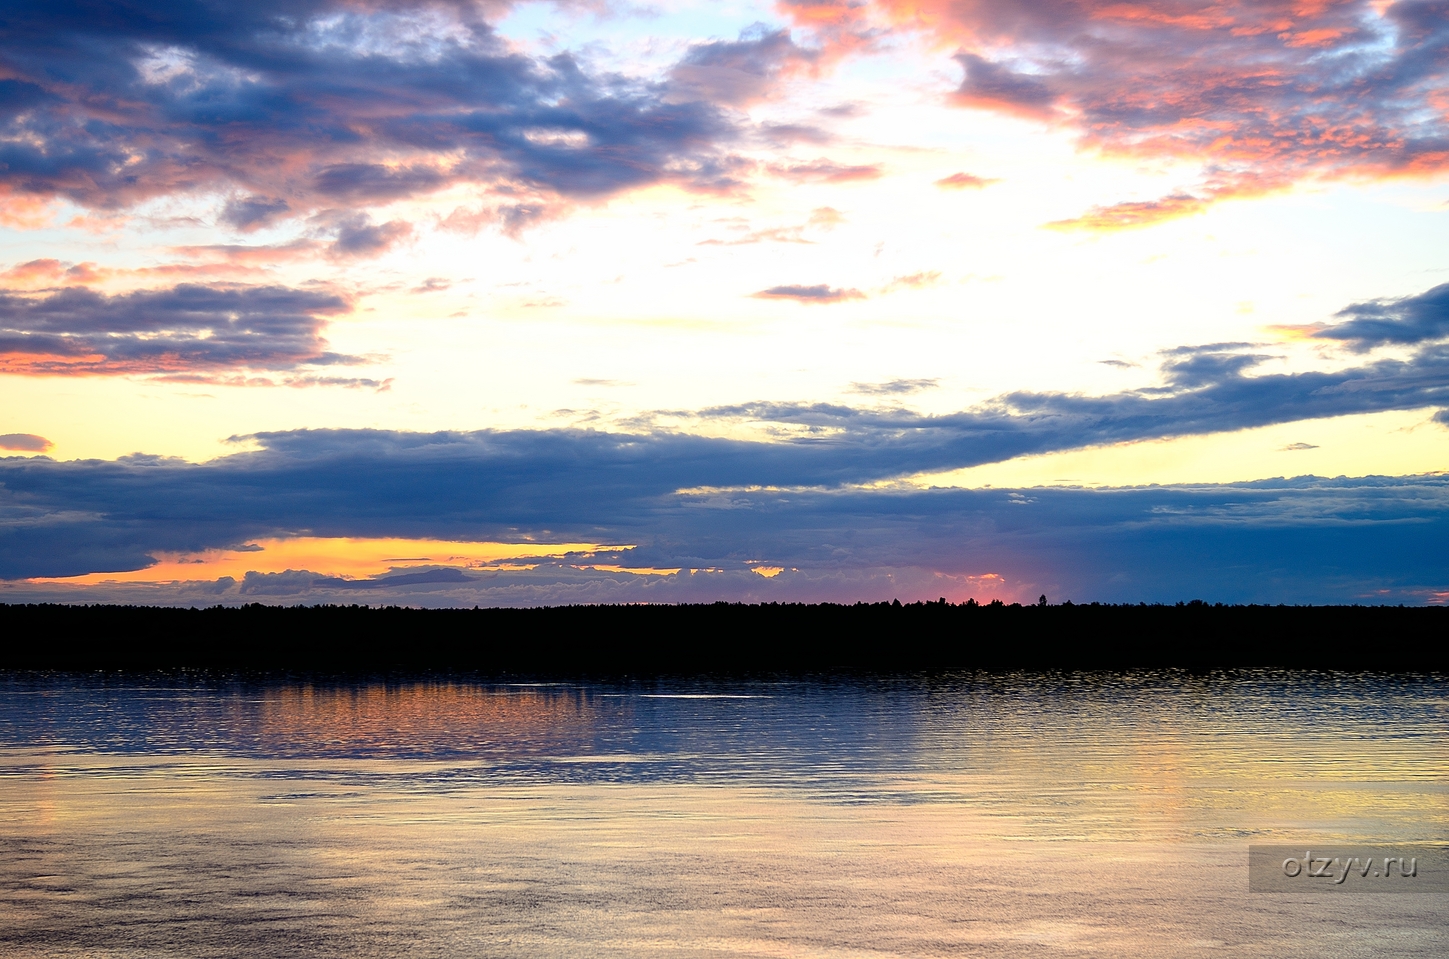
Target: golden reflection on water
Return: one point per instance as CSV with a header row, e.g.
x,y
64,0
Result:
x,y
377,718
961,822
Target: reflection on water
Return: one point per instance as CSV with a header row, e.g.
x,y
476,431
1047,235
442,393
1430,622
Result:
x,y
934,816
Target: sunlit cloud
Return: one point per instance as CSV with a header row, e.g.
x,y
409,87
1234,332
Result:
x,y
351,558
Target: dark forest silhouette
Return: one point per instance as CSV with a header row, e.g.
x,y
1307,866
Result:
x,y
724,638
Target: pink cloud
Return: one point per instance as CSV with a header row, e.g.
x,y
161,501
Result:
x,y
1263,94
22,211
964,181
51,272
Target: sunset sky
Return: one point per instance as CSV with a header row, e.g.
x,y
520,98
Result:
x,y
490,303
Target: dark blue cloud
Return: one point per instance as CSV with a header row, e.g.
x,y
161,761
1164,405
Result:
x,y
1205,391
1407,320
1283,540
250,212
292,582
189,328
307,104
697,501
591,486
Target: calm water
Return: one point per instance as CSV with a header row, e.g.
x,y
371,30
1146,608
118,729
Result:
x,y
955,816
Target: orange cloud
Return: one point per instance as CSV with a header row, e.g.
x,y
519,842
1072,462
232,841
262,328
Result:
x,y
49,272
346,557
838,27
23,212
1124,216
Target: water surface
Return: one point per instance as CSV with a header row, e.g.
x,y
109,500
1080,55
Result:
x,y
937,816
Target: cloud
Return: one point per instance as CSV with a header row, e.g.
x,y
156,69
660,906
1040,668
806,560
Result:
x,y
964,181
293,108
253,212
1130,214
810,503
218,261
997,87
23,212
1205,389
826,171
1295,447
821,218
1262,95
826,217
809,294
188,329
294,582
784,134
841,27
51,273
737,73
914,281
25,443
1298,540
893,387
779,234
358,237
432,284
259,255
1407,320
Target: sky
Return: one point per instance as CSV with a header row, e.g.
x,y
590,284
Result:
x,y
472,302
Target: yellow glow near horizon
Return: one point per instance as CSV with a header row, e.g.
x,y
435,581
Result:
x,y
351,558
